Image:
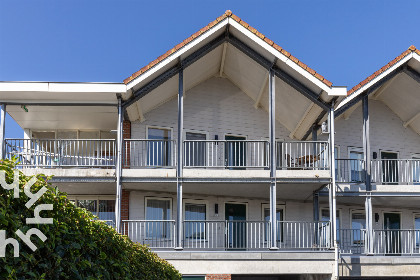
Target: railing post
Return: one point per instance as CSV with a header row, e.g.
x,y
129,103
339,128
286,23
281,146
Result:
x,y
316,216
118,167
180,163
2,131
367,173
273,186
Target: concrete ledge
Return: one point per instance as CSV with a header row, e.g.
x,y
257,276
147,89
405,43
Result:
x,y
225,173
71,172
392,266
315,174
244,255
149,173
190,263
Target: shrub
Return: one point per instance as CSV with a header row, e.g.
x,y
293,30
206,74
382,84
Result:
x,y
77,246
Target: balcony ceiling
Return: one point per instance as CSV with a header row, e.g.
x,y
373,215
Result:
x,y
62,117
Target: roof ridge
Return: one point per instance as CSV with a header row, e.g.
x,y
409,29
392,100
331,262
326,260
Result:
x,y
410,50
228,14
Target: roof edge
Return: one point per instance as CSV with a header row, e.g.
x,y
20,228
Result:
x,y
227,14
410,50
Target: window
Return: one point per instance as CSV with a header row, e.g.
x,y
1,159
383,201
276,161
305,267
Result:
x,y
195,217
417,228
325,217
415,167
158,212
235,152
159,151
337,162
358,224
279,217
195,149
101,207
356,164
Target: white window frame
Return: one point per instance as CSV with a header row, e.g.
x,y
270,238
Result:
x,y
278,207
327,208
197,201
206,133
416,215
76,198
356,150
357,211
235,202
159,127
146,198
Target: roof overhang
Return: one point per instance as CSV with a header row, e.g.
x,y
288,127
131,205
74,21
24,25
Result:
x,y
398,87
51,105
238,52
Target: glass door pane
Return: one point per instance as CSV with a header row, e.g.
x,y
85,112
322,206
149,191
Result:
x,y
157,213
159,151
195,152
235,152
195,217
389,168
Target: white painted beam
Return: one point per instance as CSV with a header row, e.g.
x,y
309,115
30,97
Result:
x,y
308,109
407,123
140,112
261,92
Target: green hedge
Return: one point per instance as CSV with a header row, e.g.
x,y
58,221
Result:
x,y
77,246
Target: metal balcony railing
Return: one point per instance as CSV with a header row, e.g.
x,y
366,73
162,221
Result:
x,y
232,154
351,241
142,153
230,235
303,235
308,155
349,170
385,241
55,153
154,233
396,171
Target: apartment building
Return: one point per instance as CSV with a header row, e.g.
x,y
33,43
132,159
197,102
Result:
x,y
227,156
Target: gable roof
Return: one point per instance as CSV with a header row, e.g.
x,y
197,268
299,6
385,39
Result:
x,y
227,14
411,49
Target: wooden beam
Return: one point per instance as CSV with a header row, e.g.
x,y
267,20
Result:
x,y
140,112
308,109
261,92
407,123
222,63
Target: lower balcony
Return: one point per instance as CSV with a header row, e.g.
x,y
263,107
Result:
x,y
230,235
386,242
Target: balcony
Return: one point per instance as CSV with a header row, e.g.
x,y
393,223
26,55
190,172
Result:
x,y
226,154
403,242
383,171
230,235
62,153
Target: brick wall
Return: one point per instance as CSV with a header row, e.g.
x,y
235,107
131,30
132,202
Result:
x,y
218,277
126,146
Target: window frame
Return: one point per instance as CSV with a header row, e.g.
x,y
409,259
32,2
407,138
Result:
x,y
146,198
197,202
355,150
97,198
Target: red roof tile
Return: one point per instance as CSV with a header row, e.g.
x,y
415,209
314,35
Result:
x,y
383,69
227,14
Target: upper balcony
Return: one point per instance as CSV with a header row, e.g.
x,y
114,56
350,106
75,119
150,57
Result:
x,y
383,171
203,158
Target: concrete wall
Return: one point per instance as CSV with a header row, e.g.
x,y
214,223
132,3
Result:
x,y
216,107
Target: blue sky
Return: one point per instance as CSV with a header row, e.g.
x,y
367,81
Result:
x,y
106,41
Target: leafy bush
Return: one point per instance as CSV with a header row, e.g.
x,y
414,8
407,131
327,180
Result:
x,y
78,247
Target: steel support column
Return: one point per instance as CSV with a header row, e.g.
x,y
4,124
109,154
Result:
x,y
333,200
118,168
272,130
179,163
2,130
367,173
316,215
